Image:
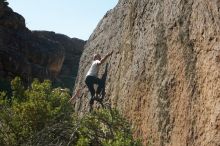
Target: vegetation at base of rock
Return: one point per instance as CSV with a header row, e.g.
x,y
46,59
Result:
x,y
41,115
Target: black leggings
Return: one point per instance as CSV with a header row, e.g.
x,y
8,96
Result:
x,y
90,81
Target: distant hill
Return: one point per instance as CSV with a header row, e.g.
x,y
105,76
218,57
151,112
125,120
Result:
x,y
36,54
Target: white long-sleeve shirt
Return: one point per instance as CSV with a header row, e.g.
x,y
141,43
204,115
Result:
x,y
94,69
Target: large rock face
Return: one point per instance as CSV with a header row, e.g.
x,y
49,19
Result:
x,y
73,49
164,74
31,55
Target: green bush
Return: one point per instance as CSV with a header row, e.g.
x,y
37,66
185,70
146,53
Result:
x,y
31,110
41,115
106,128
100,128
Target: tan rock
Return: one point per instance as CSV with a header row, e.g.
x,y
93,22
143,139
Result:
x,y
164,74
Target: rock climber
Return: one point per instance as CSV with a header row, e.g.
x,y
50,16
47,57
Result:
x,y
92,78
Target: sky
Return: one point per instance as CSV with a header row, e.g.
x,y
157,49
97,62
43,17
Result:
x,y
74,18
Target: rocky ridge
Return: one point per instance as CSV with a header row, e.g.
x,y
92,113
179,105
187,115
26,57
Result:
x,y
43,55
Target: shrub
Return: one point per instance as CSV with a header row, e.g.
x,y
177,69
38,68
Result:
x,y
100,128
107,128
31,110
41,115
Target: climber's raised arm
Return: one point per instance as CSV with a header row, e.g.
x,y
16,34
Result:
x,y
104,58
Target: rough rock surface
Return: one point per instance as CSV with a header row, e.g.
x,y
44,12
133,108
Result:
x,y
73,48
35,54
164,74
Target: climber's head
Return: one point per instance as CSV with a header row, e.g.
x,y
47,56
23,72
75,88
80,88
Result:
x,y
96,57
